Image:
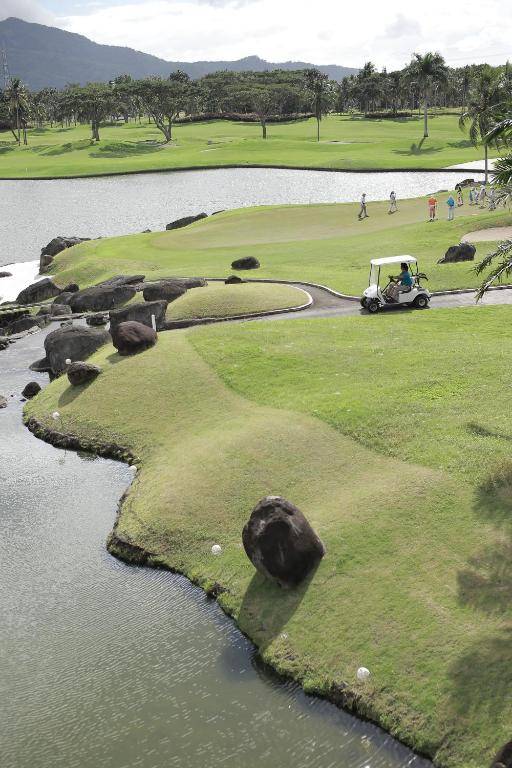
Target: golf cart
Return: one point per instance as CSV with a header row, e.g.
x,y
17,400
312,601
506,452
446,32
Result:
x,y
375,297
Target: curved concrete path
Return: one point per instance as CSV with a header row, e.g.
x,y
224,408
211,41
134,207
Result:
x,y
327,304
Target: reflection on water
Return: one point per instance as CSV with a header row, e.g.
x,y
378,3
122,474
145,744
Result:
x,y
107,665
122,204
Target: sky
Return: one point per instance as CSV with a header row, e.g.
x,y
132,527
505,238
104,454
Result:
x,y
346,32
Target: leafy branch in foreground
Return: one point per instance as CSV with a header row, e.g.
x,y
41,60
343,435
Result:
x,y
503,255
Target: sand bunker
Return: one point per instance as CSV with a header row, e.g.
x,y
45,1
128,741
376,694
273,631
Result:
x,y
485,235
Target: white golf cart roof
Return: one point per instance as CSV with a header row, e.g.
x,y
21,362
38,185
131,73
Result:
x,y
393,260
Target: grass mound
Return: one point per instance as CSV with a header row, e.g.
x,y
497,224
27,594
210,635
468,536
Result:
x,y
219,300
363,423
316,243
349,142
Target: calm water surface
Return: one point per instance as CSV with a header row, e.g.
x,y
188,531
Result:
x,y
33,212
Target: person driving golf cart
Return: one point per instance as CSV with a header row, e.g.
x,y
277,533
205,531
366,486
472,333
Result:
x,y
402,283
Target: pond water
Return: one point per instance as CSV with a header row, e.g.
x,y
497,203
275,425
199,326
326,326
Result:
x,y
33,212
109,665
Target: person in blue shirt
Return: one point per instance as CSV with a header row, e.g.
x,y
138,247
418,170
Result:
x,y
451,208
402,284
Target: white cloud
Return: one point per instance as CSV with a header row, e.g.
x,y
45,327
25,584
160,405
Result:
x,y
328,31
28,10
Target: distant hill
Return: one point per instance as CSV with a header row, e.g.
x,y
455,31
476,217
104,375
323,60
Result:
x,y
46,56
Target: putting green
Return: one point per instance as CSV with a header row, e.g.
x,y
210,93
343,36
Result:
x,y
349,142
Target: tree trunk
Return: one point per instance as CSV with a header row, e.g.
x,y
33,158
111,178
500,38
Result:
x,y
425,118
317,128
170,129
263,128
486,150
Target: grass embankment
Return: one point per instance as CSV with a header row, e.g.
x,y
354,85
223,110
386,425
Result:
x,y
384,431
317,243
219,300
347,142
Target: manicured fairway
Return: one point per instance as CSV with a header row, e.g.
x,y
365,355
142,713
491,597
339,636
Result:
x,y
219,300
348,142
318,243
393,435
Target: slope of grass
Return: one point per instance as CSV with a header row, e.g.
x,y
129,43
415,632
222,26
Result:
x,y
219,300
317,243
385,431
347,142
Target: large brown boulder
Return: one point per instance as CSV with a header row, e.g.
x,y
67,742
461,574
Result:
x,y
132,337
140,313
5,274
82,373
31,390
504,757
461,252
40,291
101,297
185,221
74,342
247,262
280,542
168,290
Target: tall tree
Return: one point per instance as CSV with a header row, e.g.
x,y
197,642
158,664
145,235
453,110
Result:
x,y
163,100
426,71
95,103
481,113
317,85
18,102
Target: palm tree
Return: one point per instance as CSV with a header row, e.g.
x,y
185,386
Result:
x,y
426,71
483,103
17,98
317,84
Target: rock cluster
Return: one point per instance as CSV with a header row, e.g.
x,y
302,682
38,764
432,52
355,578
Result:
x,y
69,343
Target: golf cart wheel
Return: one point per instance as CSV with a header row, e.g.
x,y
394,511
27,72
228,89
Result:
x,y
373,306
364,301
421,301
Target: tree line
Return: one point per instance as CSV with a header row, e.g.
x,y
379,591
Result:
x,y
482,93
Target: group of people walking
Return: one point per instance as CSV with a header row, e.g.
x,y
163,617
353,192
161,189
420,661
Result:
x,y
477,196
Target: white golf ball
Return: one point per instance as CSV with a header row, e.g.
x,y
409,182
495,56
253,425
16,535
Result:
x,y
55,415
216,549
363,674
68,361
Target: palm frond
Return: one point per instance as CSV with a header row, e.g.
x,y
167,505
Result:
x,y
502,269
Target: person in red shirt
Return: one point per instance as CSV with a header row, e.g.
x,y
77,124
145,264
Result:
x,y
432,207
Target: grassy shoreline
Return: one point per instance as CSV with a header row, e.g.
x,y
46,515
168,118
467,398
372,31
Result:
x,y
390,602
348,143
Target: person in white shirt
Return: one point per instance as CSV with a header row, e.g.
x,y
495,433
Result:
x,y
392,203
363,213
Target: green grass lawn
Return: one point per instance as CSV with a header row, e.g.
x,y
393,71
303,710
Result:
x,y
346,142
219,300
392,434
317,243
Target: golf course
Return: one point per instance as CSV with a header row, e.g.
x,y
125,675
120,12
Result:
x,y
389,432
347,142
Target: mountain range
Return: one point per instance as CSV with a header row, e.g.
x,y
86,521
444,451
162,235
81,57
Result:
x,y
46,56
